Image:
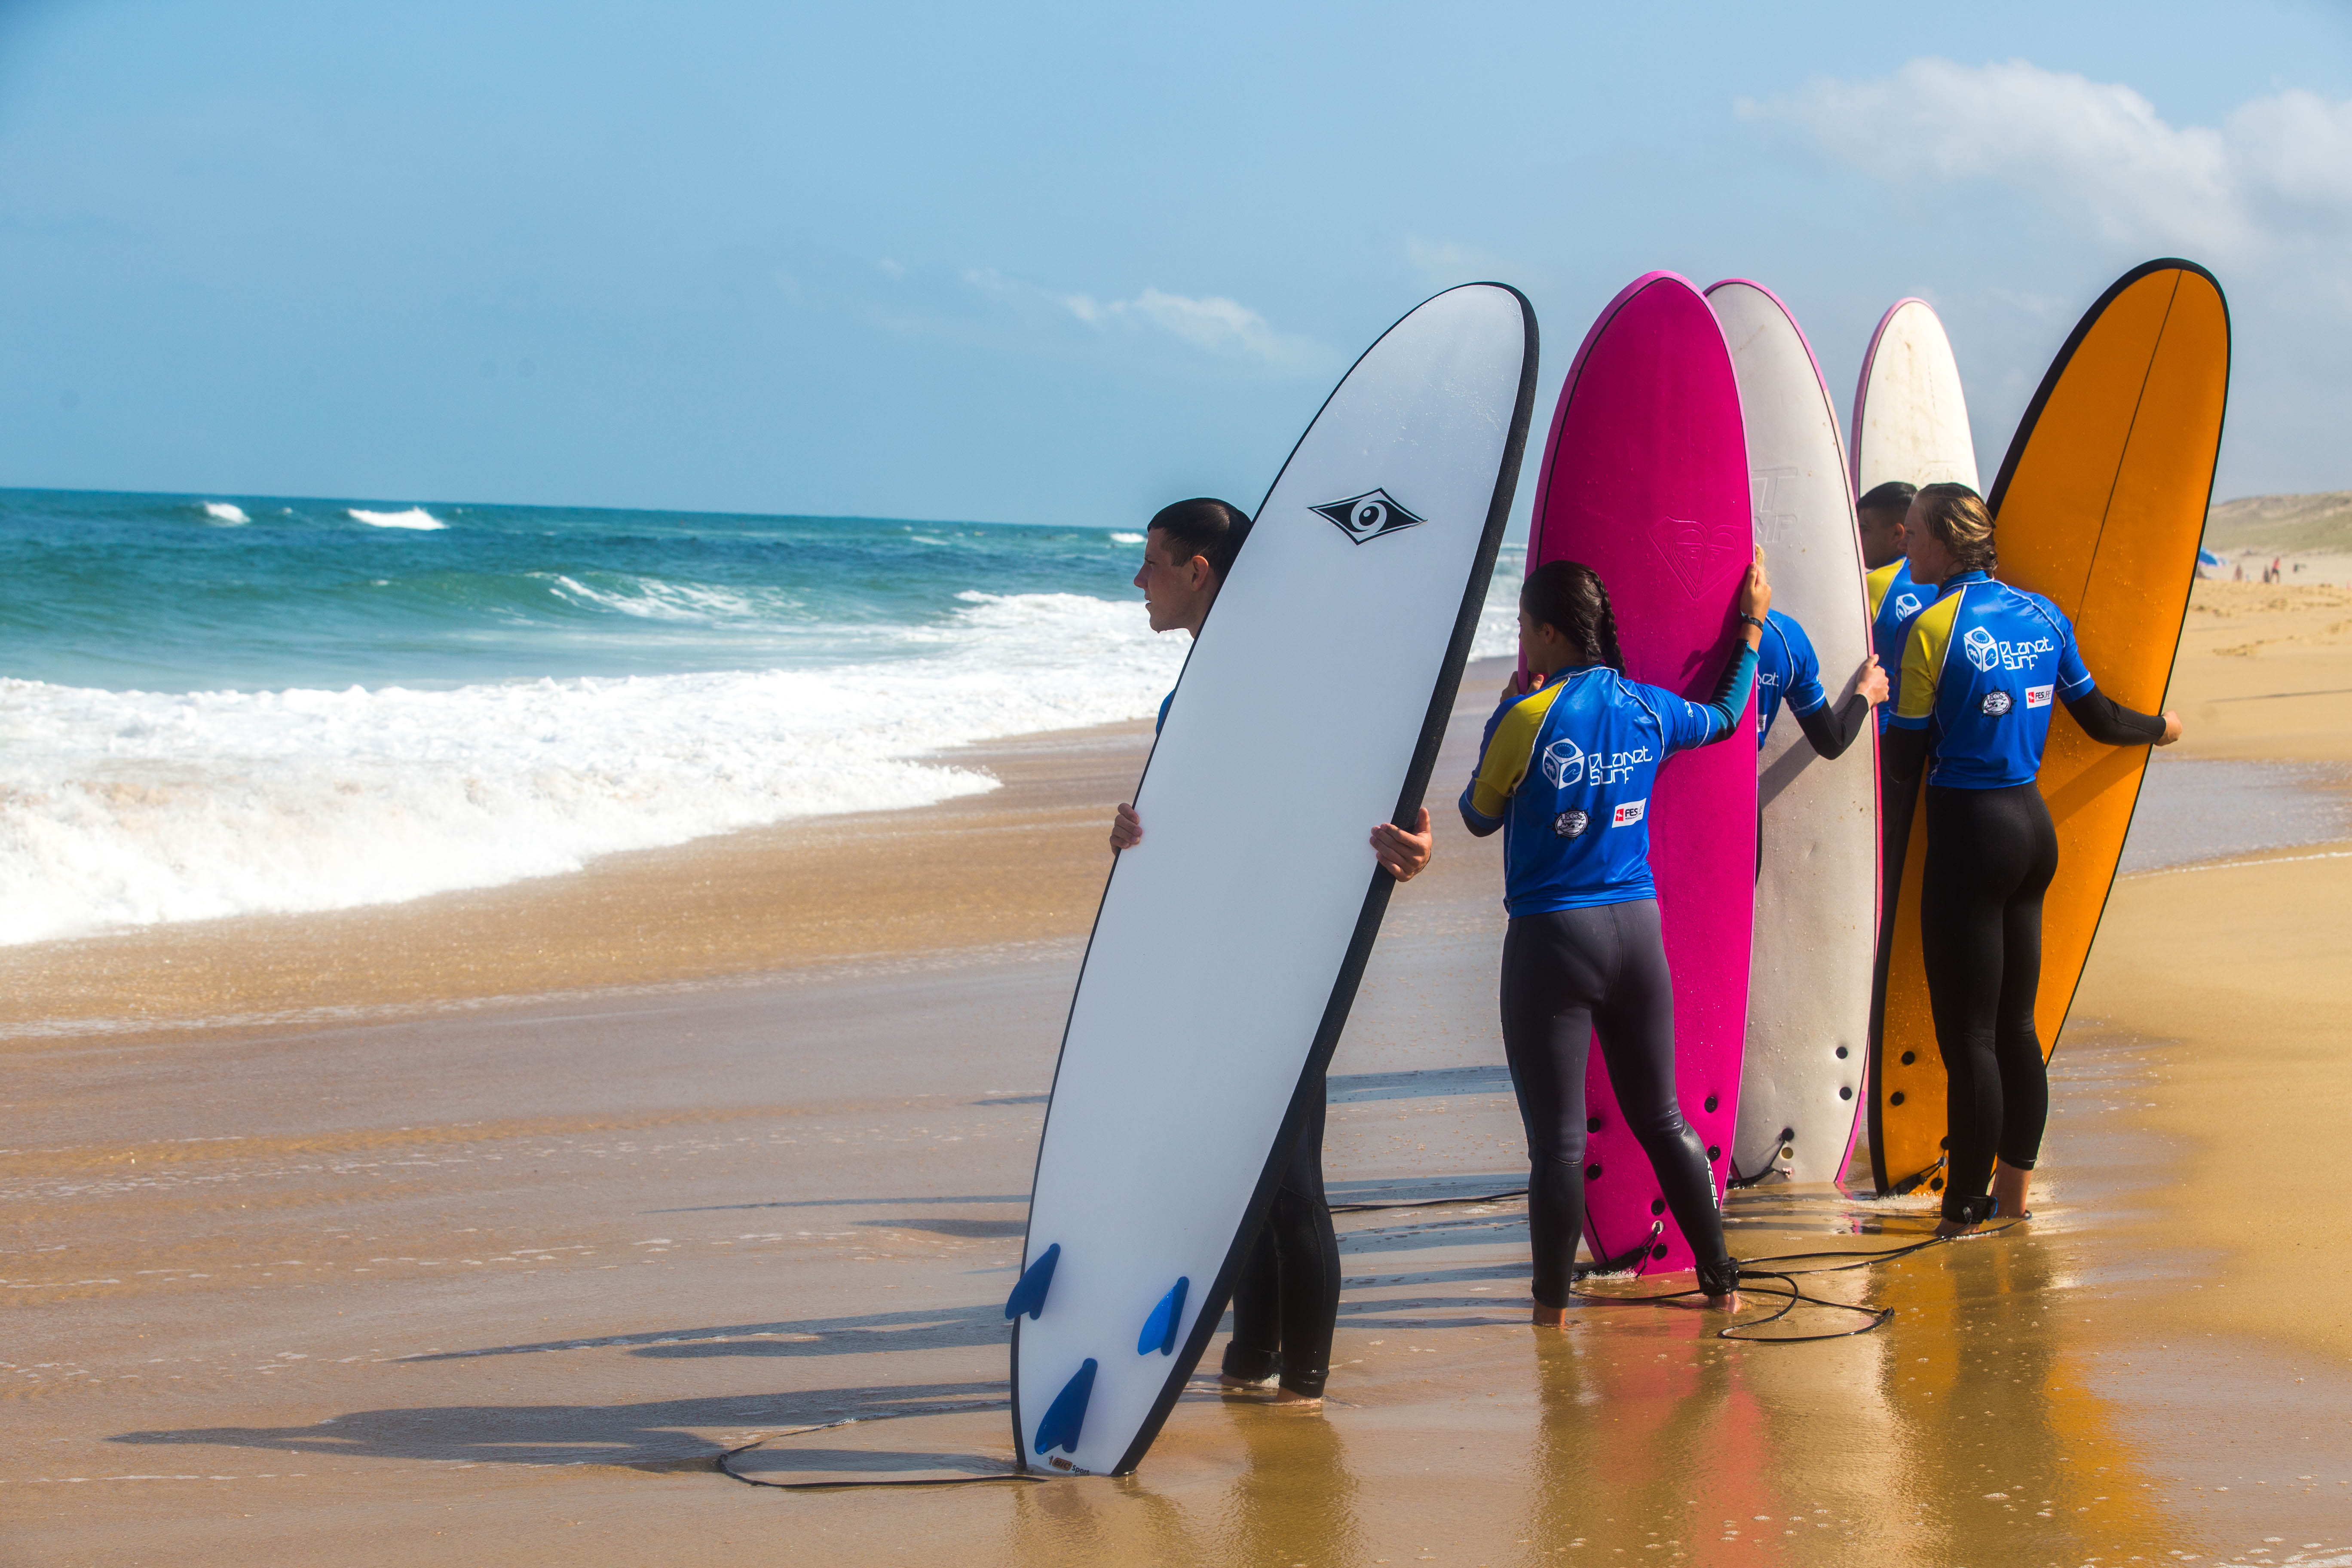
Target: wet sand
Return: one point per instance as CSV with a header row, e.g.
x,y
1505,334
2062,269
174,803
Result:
x,y
326,1284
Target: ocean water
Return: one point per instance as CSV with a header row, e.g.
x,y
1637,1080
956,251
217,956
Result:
x,y
217,705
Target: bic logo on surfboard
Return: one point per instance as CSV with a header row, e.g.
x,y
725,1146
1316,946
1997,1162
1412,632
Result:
x,y
1375,514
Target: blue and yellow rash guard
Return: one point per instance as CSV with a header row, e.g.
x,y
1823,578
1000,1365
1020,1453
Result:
x,y
1980,670
1786,670
1893,600
1566,772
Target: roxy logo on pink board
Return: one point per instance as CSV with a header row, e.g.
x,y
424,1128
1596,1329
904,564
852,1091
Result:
x,y
1699,552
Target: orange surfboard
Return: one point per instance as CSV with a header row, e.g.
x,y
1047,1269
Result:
x,y
2099,507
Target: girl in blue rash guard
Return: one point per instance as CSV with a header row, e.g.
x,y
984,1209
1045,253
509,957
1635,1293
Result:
x,y
1981,668
1566,771
1789,671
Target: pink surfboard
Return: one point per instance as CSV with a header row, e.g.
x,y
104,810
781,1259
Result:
x,y
1645,479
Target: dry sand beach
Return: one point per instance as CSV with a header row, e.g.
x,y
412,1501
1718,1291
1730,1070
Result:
x,y
309,1220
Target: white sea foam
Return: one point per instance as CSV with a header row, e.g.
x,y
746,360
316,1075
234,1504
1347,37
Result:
x,y
1498,619
226,512
128,808
1127,539
415,517
652,599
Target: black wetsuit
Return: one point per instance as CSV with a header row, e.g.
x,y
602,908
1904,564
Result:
x,y
1287,1300
1569,975
1584,953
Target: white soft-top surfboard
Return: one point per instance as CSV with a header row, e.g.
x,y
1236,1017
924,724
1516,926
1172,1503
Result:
x,y
1231,939
1910,416
1817,875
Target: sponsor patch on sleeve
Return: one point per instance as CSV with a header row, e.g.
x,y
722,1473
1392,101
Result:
x,y
1630,813
2038,695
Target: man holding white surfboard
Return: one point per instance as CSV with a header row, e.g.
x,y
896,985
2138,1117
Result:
x,y
1287,1300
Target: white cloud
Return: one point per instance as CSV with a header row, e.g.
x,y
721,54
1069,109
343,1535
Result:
x,y
1213,324
2278,171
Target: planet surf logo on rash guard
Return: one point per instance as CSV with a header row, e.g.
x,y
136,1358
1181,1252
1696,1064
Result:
x,y
1990,653
1908,605
1375,514
1564,764
1621,766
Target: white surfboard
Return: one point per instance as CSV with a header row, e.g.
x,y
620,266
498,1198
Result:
x,y
1817,881
1910,416
1230,940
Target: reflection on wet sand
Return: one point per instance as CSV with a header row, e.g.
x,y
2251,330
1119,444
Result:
x,y
2006,1448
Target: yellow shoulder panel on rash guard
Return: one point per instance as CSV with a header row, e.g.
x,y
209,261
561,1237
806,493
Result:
x,y
1506,760
1878,582
1923,656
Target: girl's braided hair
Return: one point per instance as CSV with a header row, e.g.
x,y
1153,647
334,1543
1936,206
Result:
x,y
1569,597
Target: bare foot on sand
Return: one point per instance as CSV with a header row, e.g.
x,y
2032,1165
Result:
x,y
2008,1185
1550,1316
1228,1383
1304,1403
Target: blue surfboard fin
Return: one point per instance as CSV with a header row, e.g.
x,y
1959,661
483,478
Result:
x,y
1066,1416
1160,1329
1029,1296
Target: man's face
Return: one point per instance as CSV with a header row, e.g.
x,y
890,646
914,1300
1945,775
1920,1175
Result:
x,y
1882,537
1176,592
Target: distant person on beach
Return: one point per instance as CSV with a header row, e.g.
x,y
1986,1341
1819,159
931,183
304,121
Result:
x,y
1287,1300
1982,668
1566,771
1895,595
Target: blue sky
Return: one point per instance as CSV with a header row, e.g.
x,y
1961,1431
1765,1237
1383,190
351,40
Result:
x,y
1062,264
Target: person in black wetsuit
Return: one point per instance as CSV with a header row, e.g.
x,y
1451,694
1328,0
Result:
x,y
1981,667
1286,1299
1566,772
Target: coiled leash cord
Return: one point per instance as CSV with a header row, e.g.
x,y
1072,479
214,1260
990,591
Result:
x,y
1781,1283
1795,1295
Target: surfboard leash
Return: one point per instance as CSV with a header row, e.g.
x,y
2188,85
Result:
x,y
1795,1295
1632,1258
